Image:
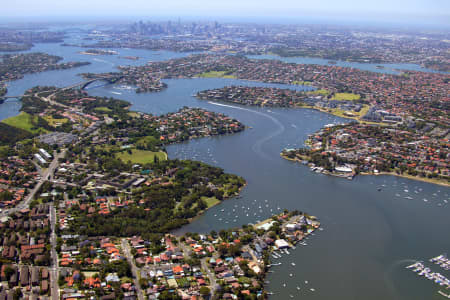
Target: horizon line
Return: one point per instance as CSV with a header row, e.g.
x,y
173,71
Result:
x,y
354,19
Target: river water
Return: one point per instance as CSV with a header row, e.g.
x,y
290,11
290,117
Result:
x,y
369,236
394,68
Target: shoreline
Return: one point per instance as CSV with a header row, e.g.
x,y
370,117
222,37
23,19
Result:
x,y
417,178
295,228
358,119
355,118
372,62
202,212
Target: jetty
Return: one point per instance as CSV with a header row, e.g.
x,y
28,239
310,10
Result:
x,y
426,272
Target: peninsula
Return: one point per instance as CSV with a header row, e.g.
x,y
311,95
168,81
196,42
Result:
x,y
15,66
346,105
348,150
87,167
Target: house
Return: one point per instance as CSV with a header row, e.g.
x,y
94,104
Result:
x,y
35,276
44,286
281,244
111,296
112,277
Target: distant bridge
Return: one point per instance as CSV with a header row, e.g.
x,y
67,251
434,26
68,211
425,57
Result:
x,y
4,99
82,85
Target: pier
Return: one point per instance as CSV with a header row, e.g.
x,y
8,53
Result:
x,y
426,272
444,294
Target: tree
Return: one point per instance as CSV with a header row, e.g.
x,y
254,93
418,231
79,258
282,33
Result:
x,y
234,250
223,249
17,294
143,282
9,272
6,196
204,291
165,295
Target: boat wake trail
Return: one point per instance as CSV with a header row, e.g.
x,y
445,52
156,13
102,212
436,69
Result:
x,y
96,86
257,147
104,61
389,275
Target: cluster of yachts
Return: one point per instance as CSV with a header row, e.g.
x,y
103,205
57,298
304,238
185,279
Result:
x,y
421,270
278,255
285,251
442,261
417,191
256,210
298,288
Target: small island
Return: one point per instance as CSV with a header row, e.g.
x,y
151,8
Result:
x,y
131,57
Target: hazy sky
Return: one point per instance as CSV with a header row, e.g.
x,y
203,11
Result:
x,y
415,10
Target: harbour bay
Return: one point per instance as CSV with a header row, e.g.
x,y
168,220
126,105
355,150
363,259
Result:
x,y
369,235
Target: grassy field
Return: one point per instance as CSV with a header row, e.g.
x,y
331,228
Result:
x,y
183,282
216,74
133,114
24,121
302,83
103,109
146,139
356,115
107,147
211,201
321,92
346,97
343,113
141,156
52,122
364,110
89,274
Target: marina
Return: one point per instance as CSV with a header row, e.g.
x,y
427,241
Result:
x,y
442,261
427,273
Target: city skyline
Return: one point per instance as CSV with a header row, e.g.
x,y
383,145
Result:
x,y
384,11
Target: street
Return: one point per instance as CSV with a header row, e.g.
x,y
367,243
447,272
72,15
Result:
x,y
204,264
127,251
44,176
54,256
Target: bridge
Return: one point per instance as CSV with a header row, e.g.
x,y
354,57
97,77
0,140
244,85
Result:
x,y
11,97
82,85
